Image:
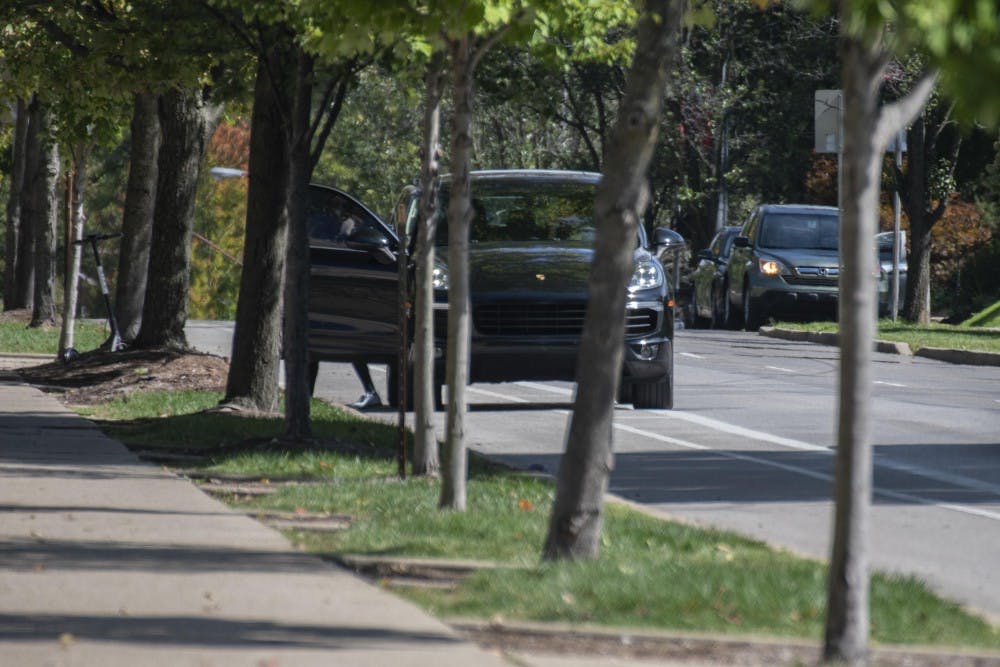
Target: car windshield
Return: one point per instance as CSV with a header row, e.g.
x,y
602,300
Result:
x,y
799,230
510,210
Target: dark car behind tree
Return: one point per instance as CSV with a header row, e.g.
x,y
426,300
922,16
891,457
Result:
x,y
531,248
708,279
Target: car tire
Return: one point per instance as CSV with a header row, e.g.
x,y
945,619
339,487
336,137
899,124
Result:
x,y
625,391
658,395
728,312
718,320
751,313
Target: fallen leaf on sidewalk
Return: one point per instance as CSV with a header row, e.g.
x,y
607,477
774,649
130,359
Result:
x,y
66,639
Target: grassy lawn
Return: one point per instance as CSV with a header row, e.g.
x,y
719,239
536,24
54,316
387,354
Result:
x,y
652,573
16,337
988,317
935,335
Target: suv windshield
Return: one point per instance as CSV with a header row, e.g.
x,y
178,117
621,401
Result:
x,y
530,210
799,230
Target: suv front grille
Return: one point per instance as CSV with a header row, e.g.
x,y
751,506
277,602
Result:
x,y
550,319
508,318
811,275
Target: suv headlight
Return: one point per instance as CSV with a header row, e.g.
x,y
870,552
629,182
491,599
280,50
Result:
x,y
439,277
771,267
648,274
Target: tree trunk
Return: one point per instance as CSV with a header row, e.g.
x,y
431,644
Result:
x,y
72,278
44,216
425,445
867,131
917,204
137,220
13,296
256,356
577,515
187,120
453,493
847,620
296,326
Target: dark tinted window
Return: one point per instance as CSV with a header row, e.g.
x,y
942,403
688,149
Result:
x,y
529,210
332,218
798,230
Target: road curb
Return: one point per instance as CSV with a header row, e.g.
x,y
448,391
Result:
x,y
582,639
965,357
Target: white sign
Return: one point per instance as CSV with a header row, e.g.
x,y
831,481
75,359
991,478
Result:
x,y
828,115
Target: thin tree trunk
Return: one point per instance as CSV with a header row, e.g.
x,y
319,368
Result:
x,y
137,220
297,424
425,446
453,493
256,356
577,514
44,218
24,285
187,120
867,131
14,233
72,277
917,203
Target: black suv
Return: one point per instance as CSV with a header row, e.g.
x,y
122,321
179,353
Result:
x,y
531,245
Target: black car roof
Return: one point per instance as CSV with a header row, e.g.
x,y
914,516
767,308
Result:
x,y
532,174
799,208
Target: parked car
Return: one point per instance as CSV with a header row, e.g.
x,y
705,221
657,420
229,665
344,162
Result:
x,y
531,245
785,261
708,279
883,242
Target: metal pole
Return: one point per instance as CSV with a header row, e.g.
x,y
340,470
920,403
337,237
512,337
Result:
x,y
896,241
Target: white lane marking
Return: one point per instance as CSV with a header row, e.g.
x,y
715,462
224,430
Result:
x,y
889,384
494,394
897,495
562,391
743,432
960,481
691,354
779,368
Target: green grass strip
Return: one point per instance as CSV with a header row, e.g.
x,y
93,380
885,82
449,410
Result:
x,y
16,337
918,336
652,573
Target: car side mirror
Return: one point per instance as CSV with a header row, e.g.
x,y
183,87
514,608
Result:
x,y
741,242
667,239
371,241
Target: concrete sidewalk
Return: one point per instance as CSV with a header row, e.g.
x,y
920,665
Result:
x,y
105,560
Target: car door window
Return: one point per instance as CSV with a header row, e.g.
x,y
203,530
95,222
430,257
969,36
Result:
x,y
333,219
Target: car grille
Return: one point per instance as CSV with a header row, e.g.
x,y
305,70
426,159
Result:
x,y
811,275
513,318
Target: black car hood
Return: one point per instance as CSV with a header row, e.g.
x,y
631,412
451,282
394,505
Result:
x,y
793,257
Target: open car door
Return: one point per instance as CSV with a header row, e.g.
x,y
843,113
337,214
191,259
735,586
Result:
x,y
353,292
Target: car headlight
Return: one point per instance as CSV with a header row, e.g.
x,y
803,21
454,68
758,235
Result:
x,y
771,267
648,274
439,277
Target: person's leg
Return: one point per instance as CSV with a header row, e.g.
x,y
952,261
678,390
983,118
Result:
x,y
369,399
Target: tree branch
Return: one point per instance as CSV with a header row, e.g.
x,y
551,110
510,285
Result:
x,y
899,114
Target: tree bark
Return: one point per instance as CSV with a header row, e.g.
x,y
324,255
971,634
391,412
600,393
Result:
x,y
14,297
425,444
187,120
453,486
43,215
296,323
137,220
867,130
256,355
72,277
577,515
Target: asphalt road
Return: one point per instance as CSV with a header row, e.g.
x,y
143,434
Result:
x,y
748,447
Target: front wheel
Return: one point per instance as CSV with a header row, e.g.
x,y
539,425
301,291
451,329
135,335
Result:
x,y
751,316
657,395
